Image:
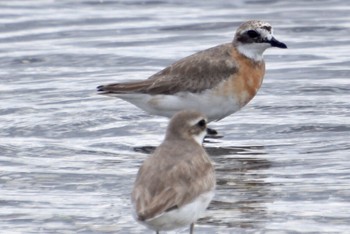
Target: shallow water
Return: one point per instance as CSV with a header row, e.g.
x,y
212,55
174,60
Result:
x,y
69,157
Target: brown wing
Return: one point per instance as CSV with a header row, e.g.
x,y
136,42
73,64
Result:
x,y
195,73
165,183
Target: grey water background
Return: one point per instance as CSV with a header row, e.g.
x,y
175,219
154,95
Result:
x,y
68,157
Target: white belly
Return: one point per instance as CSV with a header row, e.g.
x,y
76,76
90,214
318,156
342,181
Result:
x,y
213,106
181,217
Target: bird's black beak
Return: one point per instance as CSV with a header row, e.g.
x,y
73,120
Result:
x,y
211,132
276,43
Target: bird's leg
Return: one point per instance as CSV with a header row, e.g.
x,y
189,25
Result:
x,y
157,232
191,228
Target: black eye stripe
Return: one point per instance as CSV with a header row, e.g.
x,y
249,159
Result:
x,y
268,28
253,34
202,123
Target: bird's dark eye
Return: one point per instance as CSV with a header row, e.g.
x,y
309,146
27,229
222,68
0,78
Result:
x,y
202,123
253,34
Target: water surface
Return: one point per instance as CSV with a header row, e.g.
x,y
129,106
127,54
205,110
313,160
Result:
x,y
69,157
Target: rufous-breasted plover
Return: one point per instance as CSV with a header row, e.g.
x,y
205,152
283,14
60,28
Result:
x,y
175,185
216,82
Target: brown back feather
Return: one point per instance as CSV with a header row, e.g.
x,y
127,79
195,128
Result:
x,y
195,73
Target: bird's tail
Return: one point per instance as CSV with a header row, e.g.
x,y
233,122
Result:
x,y
123,88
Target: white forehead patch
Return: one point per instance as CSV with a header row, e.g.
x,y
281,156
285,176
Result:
x,y
264,33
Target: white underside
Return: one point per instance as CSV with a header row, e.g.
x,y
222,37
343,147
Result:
x,y
181,217
213,106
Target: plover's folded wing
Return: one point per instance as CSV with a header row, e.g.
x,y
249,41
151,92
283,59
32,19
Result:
x,y
195,73
155,205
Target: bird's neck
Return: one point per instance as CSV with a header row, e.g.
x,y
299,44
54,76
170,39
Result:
x,y
200,137
251,51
